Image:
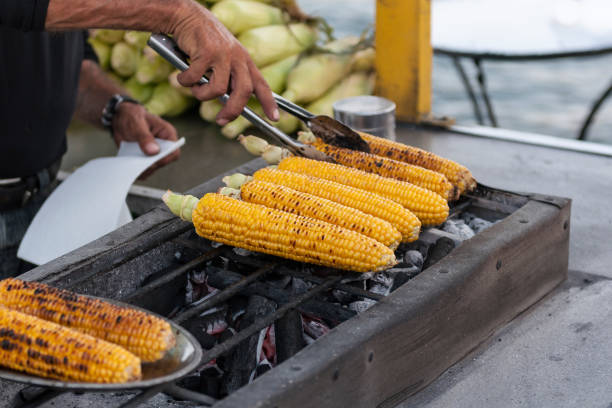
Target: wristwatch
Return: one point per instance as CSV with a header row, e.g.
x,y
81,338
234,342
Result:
x,y
111,108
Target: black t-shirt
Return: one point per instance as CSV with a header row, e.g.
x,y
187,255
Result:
x,y
39,74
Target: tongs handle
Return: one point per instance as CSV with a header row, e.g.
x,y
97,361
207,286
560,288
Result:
x,y
169,50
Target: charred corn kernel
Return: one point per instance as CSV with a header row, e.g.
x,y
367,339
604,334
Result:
x,y
47,349
429,207
419,176
456,173
147,336
401,218
262,229
295,202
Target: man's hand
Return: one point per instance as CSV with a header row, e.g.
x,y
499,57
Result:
x,y
209,44
132,123
214,51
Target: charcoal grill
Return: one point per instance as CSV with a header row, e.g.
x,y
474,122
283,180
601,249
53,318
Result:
x,y
374,358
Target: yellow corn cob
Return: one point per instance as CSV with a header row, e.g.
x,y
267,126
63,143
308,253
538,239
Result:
x,y
428,206
457,174
262,229
401,218
385,167
145,335
293,201
47,349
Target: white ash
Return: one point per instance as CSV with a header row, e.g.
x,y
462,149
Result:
x,y
242,251
356,277
380,289
458,228
342,296
413,259
475,223
362,305
215,244
178,255
300,285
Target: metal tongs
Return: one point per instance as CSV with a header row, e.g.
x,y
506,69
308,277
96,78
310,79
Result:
x,y
328,129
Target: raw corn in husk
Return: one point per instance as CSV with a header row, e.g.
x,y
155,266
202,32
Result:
x,y
209,109
142,93
124,59
102,50
268,44
152,68
276,73
240,124
357,83
137,39
108,36
363,60
316,74
262,229
167,101
242,15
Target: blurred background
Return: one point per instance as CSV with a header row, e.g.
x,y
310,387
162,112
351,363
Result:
x,y
551,97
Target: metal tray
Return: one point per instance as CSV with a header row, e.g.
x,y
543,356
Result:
x,y
178,362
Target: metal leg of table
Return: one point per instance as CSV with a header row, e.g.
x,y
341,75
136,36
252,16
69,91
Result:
x,y
598,103
483,91
468,89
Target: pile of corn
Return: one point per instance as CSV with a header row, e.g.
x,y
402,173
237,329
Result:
x,y
285,44
59,334
349,215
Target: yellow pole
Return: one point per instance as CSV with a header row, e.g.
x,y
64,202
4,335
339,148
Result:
x,y
404,56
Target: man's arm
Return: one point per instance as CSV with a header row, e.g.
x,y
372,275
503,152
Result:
x,y
130,123
208,43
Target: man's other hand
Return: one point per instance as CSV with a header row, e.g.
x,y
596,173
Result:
x,y
132,123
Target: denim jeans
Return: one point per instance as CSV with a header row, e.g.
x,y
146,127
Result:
x,y
13,225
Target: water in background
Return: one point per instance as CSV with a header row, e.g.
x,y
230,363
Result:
x,y
549,97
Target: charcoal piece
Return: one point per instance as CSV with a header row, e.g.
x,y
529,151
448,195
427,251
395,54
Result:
x,y
289,335
197,327
332,313
344,297
439,250
362,305
190,382
420,246
413,259
210,381
475,223
458,228
241,361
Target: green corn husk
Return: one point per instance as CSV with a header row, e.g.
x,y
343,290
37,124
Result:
x,y
137,39
240,124
363,60
142,93
173,80
102,50
152,68
273,43
287,123
242,15
210,109
358,83
276,74
108,36
167,101
314,75
124,59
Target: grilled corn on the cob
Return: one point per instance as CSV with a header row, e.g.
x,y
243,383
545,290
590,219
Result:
x,y
259,228
456,173
47,349
428,206
419,176
145,335
293,201
401,218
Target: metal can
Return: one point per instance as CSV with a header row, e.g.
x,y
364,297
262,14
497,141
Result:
x,y
366,113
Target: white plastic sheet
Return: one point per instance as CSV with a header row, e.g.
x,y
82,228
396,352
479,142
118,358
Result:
x,y
88,204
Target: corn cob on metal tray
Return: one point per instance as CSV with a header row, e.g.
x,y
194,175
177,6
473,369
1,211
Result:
x,y
178,361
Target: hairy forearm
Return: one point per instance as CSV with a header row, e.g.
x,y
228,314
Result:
x,y
145,15
95,89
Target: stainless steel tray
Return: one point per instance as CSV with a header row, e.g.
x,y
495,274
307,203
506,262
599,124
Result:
x,y
178,362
